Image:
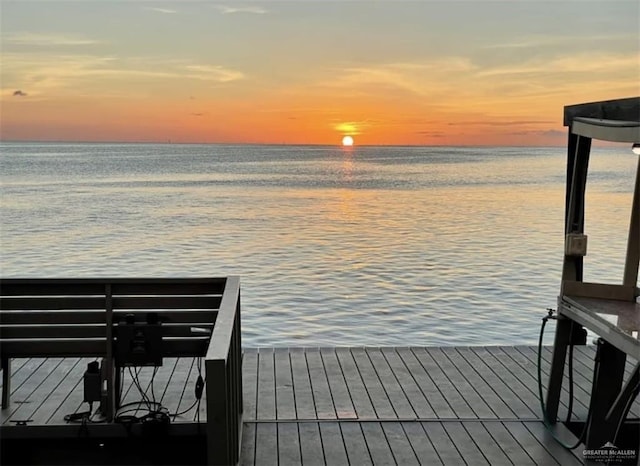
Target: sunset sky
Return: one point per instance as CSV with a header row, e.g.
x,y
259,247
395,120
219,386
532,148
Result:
x,y
310,72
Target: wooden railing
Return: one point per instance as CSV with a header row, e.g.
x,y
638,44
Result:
x,y
80,317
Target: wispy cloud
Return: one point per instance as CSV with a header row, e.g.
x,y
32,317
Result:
x,y
409,76
161,10
47,40
214,73
534,41
46,74
501,123
583,63
226,10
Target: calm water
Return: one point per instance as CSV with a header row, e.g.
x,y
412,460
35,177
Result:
x,y
368,246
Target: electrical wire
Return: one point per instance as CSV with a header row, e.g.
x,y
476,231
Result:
x,y
627,407
570,407
547,423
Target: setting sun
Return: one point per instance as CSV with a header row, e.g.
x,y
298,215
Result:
x,y
347,141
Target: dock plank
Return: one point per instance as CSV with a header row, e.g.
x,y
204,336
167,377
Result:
x,y
359,395
29,406
530,443
419,404
250,383
288,444
266,404
379,448
509,445
475,379
454,398
22,393
392,388
561,454
504,392
581,391
464,386
420,443
266,451
377,394
426,384
399,443
285,402
486,443
333,444
58,394
529,403
364,406
305,406
311,444
355,444
248,448
446,449
337,385
465,444
320,385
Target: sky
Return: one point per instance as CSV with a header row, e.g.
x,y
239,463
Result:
x,y
309,72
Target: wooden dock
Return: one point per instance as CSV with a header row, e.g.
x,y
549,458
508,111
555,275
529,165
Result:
x,y
334,406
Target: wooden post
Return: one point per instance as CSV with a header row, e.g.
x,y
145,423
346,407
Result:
x,y
633,244
110,393
6,381
607,382
218,416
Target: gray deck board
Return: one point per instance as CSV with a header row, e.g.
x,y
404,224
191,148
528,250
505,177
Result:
x,y
529,403
333,444
485,391
379,449
392,388
581,390
339,391
490,449
422,447
54,399
311,444
250,378
562,456
285,402
509,445
426,384
288,444
320,386
305,406
355,444
266,452
248,450
357,390
465,444
377,394
399,443
455,399
350,406
266,404
419,404
446,449
464,385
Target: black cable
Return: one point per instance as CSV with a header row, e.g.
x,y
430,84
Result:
x,y
546,422
627,407
153,378
570,406
186,410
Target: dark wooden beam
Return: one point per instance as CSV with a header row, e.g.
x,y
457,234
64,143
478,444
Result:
x,y
627,109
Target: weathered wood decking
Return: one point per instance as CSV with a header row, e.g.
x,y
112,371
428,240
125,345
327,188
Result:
x,y
450,405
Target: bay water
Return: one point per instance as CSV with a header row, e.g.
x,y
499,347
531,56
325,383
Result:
x,y
334,246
